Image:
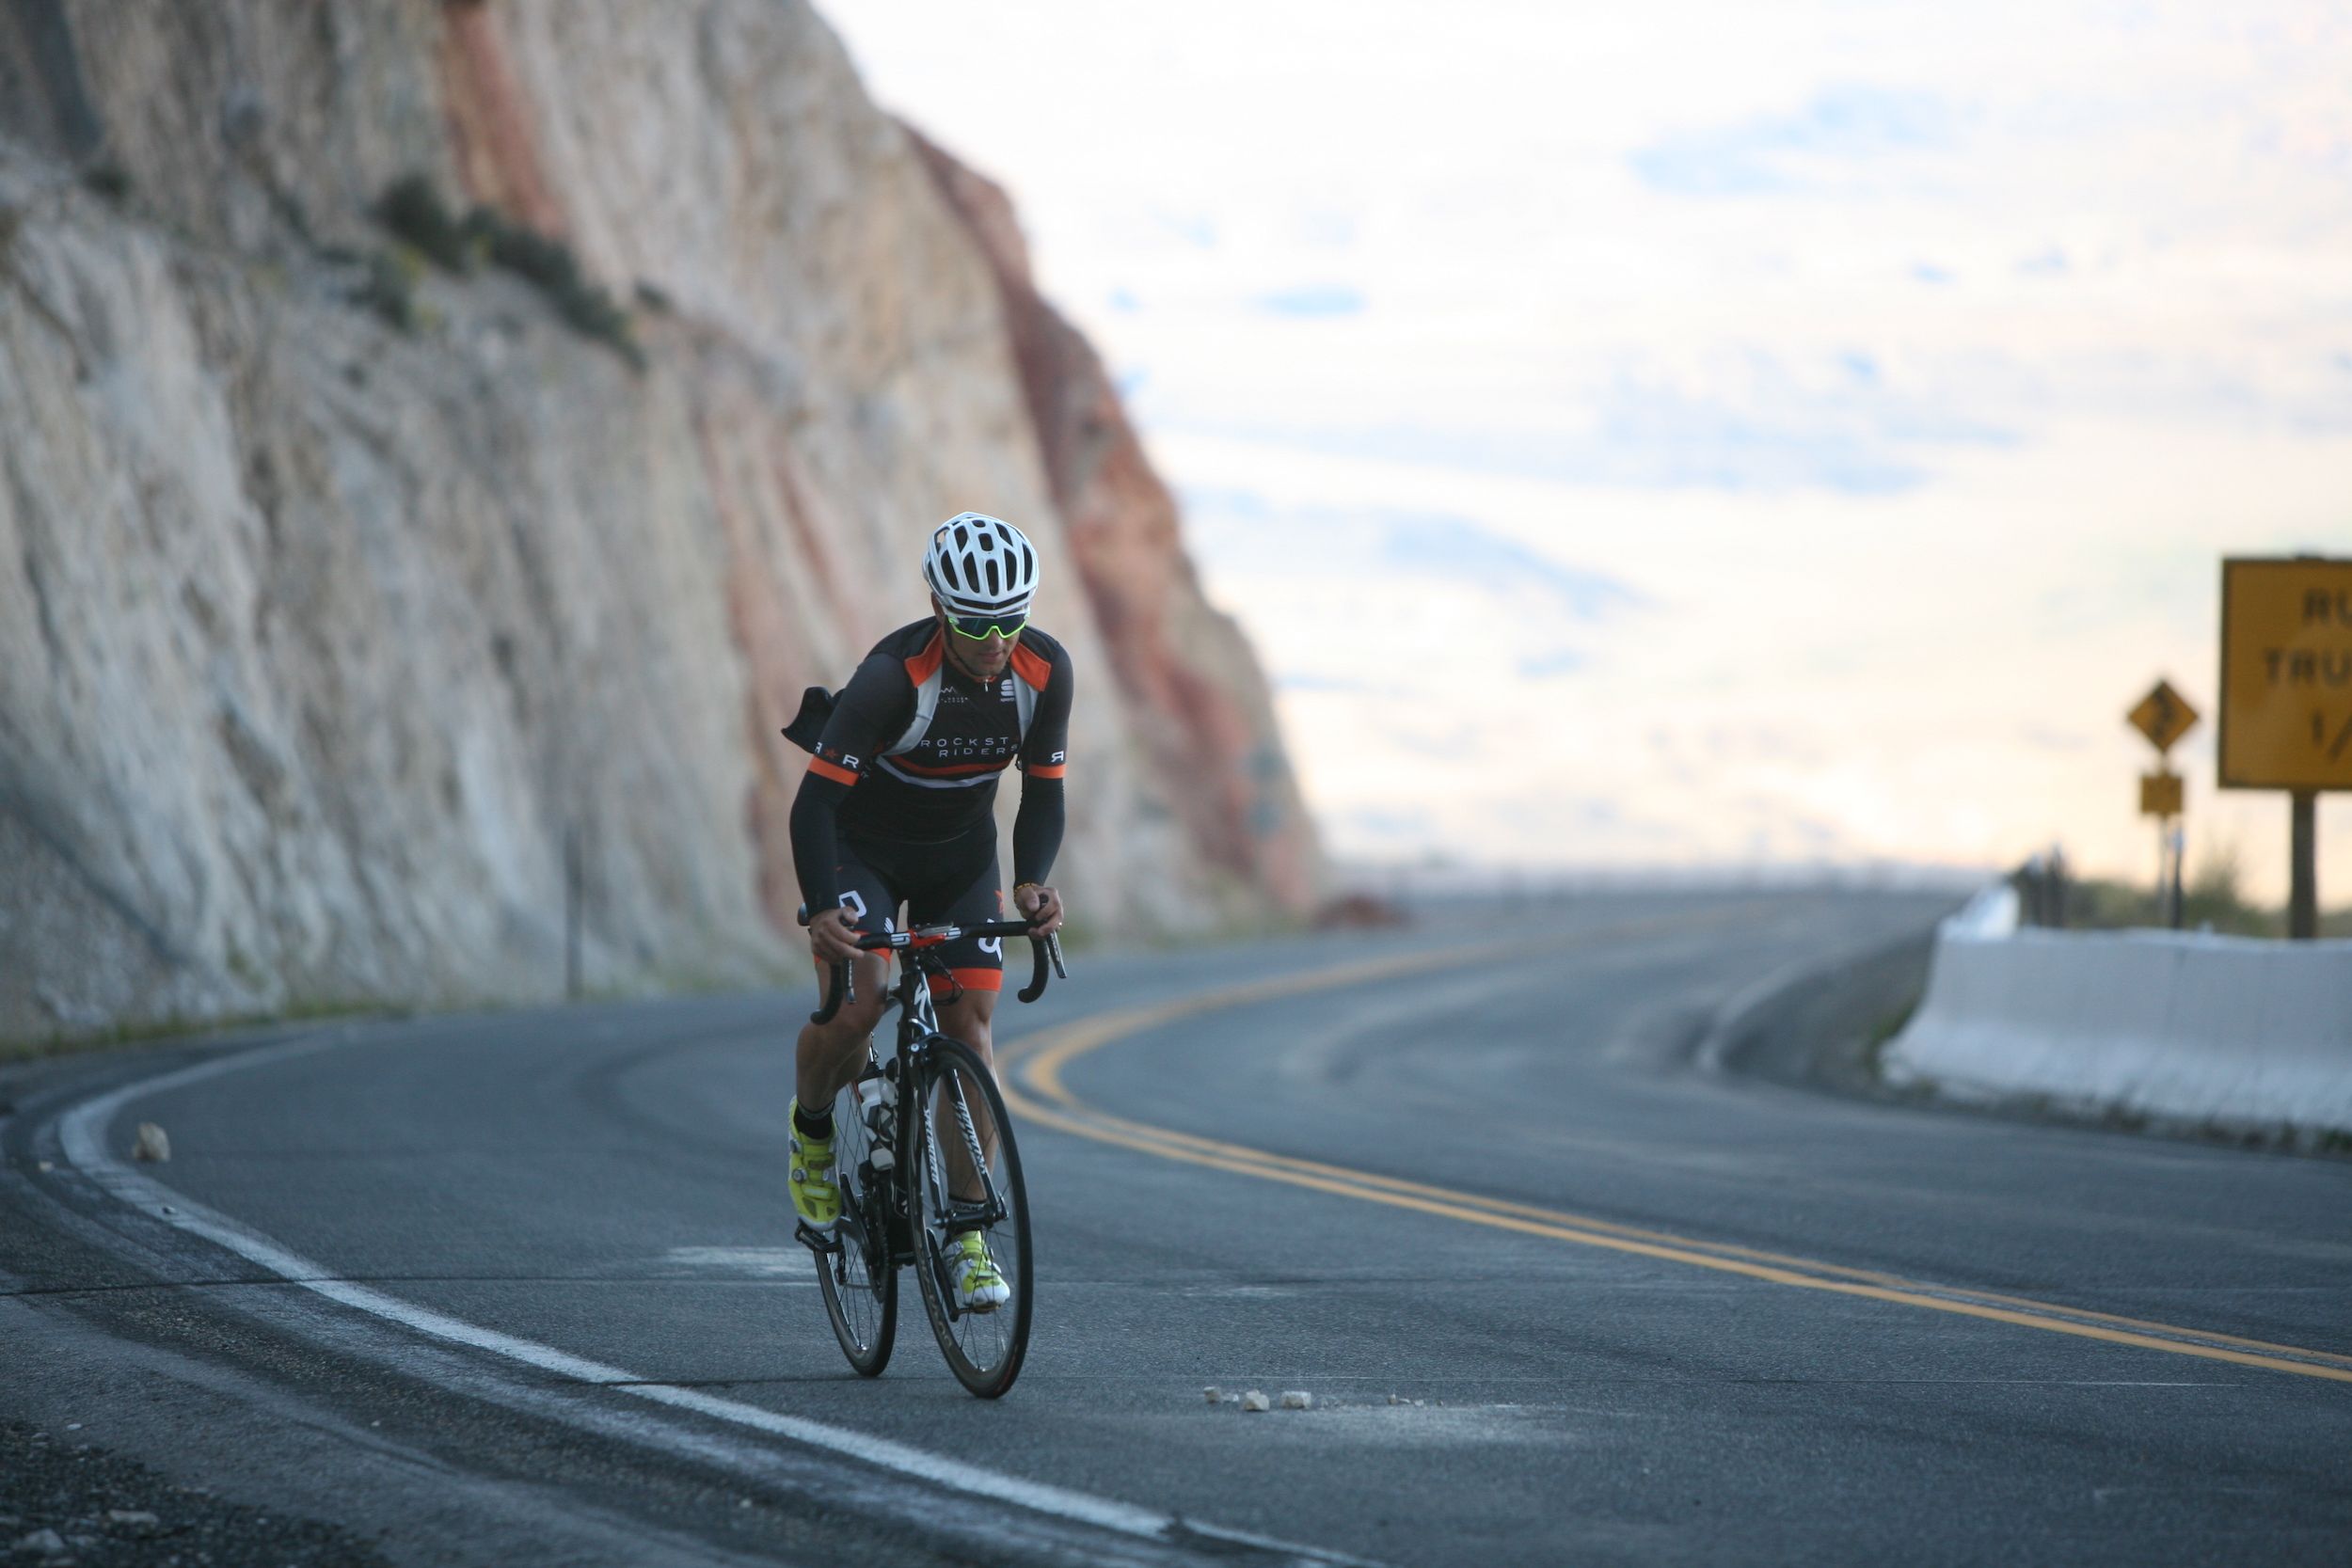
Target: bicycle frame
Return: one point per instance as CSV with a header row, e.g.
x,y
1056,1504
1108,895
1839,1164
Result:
x,y
917,1025
916,1126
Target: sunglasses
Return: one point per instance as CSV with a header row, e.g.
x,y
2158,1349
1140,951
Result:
x,y
977,627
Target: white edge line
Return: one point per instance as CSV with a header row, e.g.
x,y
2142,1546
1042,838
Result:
x,y
81,1133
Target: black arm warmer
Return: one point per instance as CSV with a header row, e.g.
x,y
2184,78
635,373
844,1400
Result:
x,y
813,815
1036,829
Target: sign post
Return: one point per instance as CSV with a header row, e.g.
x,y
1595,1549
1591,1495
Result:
x,y
2164,716
2286,699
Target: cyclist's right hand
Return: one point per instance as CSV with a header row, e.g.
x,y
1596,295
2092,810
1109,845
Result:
x,y
833,936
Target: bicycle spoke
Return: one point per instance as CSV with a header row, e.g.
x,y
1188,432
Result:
x,y
859,1285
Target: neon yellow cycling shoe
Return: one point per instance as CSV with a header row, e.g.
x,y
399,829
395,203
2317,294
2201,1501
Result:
x,y
816,1192
978,1287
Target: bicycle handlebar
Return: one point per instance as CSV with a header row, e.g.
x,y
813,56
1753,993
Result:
x,y
842,984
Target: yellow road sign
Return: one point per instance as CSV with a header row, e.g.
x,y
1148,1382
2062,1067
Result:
x,y
2159,794
2163,716
2286,674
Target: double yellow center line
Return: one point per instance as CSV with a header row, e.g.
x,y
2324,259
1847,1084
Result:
x,y
1036,1093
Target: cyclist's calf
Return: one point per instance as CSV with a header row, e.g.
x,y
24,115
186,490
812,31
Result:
x,y
970,1019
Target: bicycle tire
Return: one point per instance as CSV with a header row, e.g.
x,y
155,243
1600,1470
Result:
x,y
860,1283
983,1349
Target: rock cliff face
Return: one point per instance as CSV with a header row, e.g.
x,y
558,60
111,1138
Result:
x,y
340,590
1209,716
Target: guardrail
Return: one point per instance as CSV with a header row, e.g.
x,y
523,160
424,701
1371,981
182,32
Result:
x,y
2228,1033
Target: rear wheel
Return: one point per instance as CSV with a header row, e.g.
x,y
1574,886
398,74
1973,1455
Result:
x,y
860,1285
968,1182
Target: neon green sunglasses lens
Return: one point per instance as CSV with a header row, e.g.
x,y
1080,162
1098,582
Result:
x,y
977,627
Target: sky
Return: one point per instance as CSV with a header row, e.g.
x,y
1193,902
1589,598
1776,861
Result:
x,y
1702,433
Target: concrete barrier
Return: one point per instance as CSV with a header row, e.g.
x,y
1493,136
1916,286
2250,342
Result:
x,y
2228,1033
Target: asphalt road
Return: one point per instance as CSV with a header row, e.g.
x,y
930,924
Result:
x,y
520,1287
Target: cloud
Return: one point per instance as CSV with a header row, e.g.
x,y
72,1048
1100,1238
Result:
x,y
1228,500
2048,737
1557,662
1198,230
1495,610
1787,152
1328,229
1313,300
1453,745
1393,544
1407,824
1447,547
1320,685
1585,821
1651,441
1743,420
1661,435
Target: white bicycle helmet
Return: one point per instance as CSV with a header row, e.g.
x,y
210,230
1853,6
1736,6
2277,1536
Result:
x,y
980,566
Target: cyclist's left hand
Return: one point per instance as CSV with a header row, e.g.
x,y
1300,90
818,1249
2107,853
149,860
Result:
x,y
1040,907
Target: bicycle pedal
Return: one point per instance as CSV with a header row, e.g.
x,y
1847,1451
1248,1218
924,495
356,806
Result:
x,y
816,1240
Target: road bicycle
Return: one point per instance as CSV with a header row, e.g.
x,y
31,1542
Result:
x,y
924,1152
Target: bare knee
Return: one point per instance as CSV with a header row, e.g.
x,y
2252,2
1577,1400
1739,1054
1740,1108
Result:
x,y
856,1019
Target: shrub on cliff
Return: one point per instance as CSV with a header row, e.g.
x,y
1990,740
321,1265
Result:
x,y
549,265
109,179
413,210
390,290
417,216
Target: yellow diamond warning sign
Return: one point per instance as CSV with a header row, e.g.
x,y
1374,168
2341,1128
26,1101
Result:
x,y
2163,716
2286,674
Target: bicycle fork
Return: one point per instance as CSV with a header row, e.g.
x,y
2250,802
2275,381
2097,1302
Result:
x,y
955,1215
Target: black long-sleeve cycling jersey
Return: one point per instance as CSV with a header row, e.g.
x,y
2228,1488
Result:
x,y
882,769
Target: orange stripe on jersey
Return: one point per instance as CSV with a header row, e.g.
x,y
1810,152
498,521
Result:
x,y
953,769
922,666
833,771
1031,666
1047,770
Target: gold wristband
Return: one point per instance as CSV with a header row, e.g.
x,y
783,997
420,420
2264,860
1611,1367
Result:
x,y
1025,887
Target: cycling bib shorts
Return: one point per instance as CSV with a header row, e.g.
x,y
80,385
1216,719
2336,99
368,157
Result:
x,y
953,882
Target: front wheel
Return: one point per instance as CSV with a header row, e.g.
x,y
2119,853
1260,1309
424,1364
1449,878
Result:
x,y
860,1281
968,1183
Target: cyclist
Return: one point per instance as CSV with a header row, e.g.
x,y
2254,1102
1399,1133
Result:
x,y
897,806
